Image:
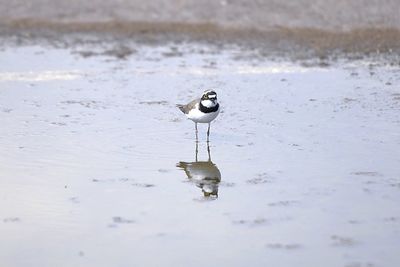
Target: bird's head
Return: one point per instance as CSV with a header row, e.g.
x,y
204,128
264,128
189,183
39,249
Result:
x,y
209,99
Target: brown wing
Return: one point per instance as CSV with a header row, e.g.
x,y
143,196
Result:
x,y
186,108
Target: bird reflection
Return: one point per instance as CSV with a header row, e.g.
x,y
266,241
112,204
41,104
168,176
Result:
x,y
205,174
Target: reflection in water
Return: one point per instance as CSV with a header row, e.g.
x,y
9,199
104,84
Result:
x,y
205,174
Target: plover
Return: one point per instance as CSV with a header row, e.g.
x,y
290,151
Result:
x,y
202,110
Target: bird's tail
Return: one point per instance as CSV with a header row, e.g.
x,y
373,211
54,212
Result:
x,y
181,107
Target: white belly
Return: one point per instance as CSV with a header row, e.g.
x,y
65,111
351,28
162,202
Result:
x,y
197,116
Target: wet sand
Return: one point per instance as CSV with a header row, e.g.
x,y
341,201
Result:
x,y
99,168
300,29
334,15
304,158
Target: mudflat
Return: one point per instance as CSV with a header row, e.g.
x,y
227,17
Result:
x,y
99,168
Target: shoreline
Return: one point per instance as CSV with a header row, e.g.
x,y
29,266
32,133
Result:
x,y
293,43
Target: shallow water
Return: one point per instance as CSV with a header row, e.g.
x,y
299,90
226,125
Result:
x,y
305,160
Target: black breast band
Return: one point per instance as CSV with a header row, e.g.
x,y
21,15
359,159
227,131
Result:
x,y
205,109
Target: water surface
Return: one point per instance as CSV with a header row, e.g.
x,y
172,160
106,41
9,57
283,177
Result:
x,y
305,160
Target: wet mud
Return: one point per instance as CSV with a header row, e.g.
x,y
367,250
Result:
x,y
99,168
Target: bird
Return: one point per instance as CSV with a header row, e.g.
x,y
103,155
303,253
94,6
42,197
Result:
x,y
202,110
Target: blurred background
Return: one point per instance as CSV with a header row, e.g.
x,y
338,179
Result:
x,y
339,15
357,25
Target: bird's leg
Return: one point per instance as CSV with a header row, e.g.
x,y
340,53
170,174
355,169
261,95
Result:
x,y
197,149
208,132
197,137
208,150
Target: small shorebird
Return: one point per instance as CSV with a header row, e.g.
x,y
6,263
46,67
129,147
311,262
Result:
x,y
202,110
